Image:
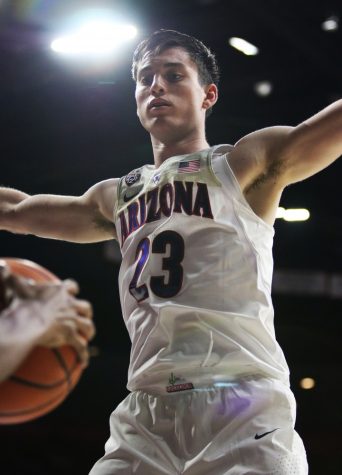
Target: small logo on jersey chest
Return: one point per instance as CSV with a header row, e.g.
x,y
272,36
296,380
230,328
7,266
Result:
x,y
156,178
132,193
133,177
190,166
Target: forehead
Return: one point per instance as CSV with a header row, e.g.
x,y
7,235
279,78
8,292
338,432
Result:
x,y
175,56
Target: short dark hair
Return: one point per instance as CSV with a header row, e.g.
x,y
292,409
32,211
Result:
x,y
160,40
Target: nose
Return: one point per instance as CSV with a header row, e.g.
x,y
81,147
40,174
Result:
x,y
157,86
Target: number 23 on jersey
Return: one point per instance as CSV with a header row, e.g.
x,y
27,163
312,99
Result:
x,y
167,241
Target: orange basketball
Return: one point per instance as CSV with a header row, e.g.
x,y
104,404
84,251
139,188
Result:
x,y
47,375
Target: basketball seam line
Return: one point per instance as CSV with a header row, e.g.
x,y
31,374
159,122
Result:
x,y
32,384
65,368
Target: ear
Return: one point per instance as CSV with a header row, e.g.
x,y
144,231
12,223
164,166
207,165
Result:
x,y
211,96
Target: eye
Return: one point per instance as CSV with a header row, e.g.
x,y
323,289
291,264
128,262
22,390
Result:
x,y
174,77
146,80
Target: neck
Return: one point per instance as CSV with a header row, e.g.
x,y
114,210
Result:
x,y
162,150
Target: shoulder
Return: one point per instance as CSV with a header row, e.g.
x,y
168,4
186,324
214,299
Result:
x,y
104,186
103,195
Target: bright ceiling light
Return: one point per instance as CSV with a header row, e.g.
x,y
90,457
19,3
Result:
x,y
243,46
295,214
263,88
330,24
95,38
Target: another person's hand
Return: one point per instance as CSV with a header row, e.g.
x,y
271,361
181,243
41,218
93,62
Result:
x,y
41,314
72,320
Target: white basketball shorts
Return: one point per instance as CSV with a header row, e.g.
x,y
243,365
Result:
x,y
236,428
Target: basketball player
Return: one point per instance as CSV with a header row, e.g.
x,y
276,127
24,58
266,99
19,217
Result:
x,y
37,314
209,383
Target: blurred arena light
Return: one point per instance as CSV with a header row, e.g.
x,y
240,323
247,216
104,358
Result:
x,y
94,39
263,88
307,383
331,23
243,46
293,214
310,283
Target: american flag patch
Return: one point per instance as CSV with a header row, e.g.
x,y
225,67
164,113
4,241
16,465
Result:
x,y
191,166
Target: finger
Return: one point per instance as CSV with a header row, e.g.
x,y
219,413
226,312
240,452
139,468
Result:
x,y
68,334
6,292
29,289
72,324
71,286
80,344
4,269
86,327
83,308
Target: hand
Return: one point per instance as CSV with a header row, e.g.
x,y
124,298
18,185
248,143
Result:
x,y
53,315
72,323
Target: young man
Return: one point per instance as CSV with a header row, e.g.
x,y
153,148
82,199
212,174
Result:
x,y
37,314
209,383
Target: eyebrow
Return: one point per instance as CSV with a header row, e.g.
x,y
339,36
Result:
x,y
165,65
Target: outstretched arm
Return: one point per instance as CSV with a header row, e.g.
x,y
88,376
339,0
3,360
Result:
x,y
312,145
86,218
268,160
291,154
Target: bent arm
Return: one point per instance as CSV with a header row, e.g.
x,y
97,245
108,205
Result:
x,y
84,219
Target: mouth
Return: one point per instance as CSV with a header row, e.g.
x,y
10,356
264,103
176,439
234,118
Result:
x,y
157,104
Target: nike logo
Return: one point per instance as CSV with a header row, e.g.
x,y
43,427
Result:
x,y
129,196
257,436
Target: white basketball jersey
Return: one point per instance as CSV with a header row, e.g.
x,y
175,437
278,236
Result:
x,y
195,279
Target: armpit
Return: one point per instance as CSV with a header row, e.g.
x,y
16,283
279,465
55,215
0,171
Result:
x,y
105,225
274,171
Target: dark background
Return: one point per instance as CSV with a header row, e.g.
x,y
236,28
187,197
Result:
x,y
66,126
